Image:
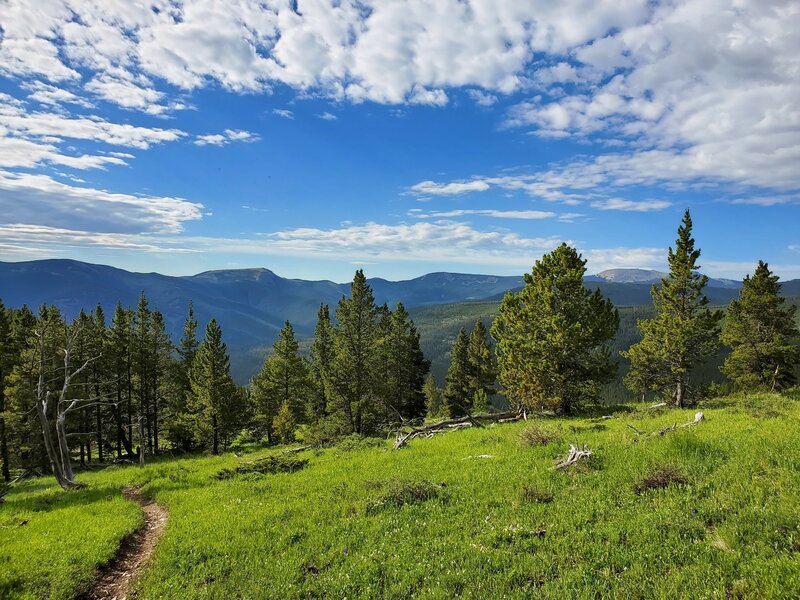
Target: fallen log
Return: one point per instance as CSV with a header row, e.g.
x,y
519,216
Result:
x,y
575,454
698,417
403,437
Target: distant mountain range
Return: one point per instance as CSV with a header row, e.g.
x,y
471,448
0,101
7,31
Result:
x,y
252,304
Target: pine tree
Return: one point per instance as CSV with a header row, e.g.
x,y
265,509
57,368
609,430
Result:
x,y
433,397
354,369
162,368
120,355
215,401
7,360
282,387
143,364
458,391
179,429
759,329
404,367
321,361
552,336
684,332
483,371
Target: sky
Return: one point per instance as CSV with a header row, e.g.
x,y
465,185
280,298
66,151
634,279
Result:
x,y
314,137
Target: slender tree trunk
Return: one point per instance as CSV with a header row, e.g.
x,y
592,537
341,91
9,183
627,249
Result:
x,y
142,441
215,428
61,435
3,440
99,433
680,391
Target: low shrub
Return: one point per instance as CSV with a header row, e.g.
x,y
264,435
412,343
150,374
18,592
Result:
x,y
278,463
660,477
532,493
395,493
533,436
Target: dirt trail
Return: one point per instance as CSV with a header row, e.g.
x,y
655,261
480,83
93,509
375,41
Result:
x,y
116,579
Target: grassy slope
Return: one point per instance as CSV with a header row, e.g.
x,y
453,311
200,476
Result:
x,y
733,530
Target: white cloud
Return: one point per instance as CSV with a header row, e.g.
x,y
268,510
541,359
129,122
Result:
x,y
226,137
20,123
41,201
498,214
631,205
44,93
282,112
482,98
454,188
326,116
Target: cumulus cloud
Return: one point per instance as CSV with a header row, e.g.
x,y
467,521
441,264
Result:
x,y
482,98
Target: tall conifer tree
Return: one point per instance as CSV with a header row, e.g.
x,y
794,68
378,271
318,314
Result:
x,y
760,329
458,390
684,332
215,402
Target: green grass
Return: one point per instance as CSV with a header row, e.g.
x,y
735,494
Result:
x,y
473,513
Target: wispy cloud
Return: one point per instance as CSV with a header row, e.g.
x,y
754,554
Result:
x,y
283,112
631,205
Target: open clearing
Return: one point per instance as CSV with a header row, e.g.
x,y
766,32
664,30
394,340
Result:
x,y
706,511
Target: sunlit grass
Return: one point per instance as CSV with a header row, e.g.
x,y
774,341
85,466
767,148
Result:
x,y
476,513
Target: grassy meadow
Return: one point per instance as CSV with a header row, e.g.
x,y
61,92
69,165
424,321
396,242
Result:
x,y
479,513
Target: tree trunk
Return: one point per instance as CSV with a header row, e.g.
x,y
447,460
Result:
x,y
215,429
61,435
680,391
3,441
142,441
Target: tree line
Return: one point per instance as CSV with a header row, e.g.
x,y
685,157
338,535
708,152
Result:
x,y
93,391
90,391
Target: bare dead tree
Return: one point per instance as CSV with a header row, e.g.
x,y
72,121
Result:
x,y
58,451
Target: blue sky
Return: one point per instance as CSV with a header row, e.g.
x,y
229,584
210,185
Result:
x,y
406,137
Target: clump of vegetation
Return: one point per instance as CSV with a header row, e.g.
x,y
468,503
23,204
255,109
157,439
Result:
x,y
536,494
4,487
660,477
533,436
268,465
359,442
395,493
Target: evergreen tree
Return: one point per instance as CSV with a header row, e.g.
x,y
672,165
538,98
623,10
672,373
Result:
x,y
282,387
120,341
354,368
162,367
179,429
404,368
759,329
7,361
99,375
552,336
143,364
321,361
483,371
433,397
458,390
215,402
684,332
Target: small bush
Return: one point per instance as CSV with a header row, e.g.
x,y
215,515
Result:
x,y
534,436
268,465
660,477
531,493
399,492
